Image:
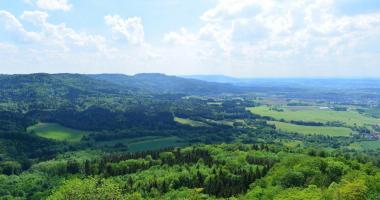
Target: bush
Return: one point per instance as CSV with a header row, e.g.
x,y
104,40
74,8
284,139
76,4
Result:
x,y
292,179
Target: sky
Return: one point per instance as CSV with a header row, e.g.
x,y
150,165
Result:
x,y
241,38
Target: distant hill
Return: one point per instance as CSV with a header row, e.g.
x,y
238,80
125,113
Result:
x,y
53,90
161,83
326,83
41,83
50,91
217,78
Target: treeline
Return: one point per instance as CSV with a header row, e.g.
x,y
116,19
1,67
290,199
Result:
x,y
208,172
14,121
209,109
97,118
19,149
303,123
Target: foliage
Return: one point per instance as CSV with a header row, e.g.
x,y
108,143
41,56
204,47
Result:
x,y
77,189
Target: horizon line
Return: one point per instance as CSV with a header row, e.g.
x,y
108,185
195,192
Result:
x,y
205,75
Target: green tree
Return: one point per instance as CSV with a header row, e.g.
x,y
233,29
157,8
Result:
x,y
353,191
292,179
91,188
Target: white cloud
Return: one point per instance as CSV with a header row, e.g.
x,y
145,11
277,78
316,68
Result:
x,y
228,8
210,36
60,35
48,35
13,25
8,48
130,28
255,34
35,17
237,37
182,37
59,48
221,36
54,5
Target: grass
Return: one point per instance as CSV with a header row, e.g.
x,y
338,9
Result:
x,y
221,122
194,123
214,103
374,112
312,130
314,114
146,143
56,132
370,145
189,122
292,143
157,143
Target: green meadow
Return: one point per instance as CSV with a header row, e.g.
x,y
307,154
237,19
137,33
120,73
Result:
x,y
56,132
146,143
189,122
370,145
373,112
153,144
314,114
312,130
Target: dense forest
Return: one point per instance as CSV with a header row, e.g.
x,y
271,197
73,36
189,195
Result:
x,y
152,136
199,172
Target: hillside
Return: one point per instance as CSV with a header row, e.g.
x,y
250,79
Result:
x,y
161,83
50,91
217,78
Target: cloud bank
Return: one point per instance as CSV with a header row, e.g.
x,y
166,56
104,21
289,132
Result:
x,y
235,37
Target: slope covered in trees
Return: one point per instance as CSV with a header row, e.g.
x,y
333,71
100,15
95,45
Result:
x,y
200,172
160,83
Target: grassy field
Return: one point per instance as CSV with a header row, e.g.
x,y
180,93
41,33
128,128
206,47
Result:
x,y
221,122
214,103
56,132
314,114
189,122
292,143
312,130
370,145
365,145
146,143
374,112
157,143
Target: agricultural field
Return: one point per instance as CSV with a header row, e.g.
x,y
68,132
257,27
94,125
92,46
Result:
x,y
365,145
189,122
221,122
157,143
370,145
373,112
214,103
292,143
315,114
146,143
312,130
56,132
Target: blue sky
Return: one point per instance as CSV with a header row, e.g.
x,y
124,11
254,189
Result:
x,y
255,38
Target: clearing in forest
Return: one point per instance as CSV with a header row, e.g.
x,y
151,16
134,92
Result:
x,y
56,132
